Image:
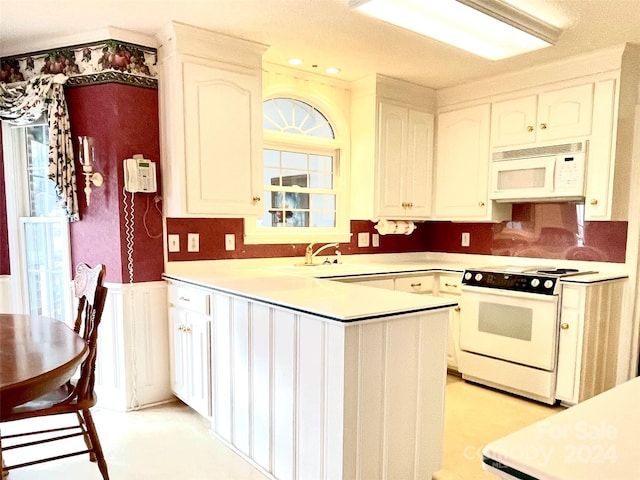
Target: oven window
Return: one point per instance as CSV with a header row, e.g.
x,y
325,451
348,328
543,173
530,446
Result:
x,y
505,320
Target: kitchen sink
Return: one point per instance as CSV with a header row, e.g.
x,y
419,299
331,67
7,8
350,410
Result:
x,y
325,270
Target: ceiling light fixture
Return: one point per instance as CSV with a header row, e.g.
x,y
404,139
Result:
x,y
295,61
332,71
491,29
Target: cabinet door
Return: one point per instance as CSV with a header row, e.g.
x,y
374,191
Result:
x,y
513,122
198,341
418,175
565,113
462,164
222,141
392,159
179,354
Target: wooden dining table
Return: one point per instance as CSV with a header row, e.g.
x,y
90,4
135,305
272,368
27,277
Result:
x,y
37,354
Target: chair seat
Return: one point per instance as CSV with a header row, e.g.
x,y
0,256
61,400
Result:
x,y
51,403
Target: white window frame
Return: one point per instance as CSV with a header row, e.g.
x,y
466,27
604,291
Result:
x,y
15,188
304,143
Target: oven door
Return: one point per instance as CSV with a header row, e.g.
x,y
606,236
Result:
x,y
513,326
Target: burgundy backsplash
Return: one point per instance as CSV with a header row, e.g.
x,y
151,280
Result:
x,y
213,230
541,230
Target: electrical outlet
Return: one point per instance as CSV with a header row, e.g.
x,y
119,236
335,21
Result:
x,y
363,239
229,241
466,239
173,241
193,242
375,240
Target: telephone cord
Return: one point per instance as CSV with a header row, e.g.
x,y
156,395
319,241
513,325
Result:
x,y
129,219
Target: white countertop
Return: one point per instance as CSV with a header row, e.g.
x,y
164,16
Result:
x,y
282,282
594,440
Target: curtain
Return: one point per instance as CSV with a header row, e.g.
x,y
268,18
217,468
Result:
x,y
43,95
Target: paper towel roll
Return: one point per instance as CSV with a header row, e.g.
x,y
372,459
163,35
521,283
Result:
x,y
390,227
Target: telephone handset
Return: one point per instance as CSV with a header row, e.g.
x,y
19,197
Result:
x,y
139,175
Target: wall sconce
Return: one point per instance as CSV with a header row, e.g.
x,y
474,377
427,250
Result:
x,y
87,157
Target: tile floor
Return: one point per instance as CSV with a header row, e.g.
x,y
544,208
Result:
x,y
171,442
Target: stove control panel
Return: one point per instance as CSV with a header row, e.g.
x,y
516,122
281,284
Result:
x,y
518,282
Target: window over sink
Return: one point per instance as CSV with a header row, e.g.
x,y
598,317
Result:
x,y
304,188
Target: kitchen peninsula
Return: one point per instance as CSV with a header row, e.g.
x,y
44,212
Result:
x,y
311,378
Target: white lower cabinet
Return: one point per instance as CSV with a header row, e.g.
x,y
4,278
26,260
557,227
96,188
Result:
x,y
190,358
304,397
589,336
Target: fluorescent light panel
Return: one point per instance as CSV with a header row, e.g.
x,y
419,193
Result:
x,y
489,28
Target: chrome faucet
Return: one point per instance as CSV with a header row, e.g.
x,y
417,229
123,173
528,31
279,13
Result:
x,y
309,253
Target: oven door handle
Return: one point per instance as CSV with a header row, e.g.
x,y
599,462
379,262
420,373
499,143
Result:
x,y
507,293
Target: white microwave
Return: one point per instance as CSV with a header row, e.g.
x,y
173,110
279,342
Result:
x,y
554,173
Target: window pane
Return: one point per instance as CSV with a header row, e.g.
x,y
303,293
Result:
x,y
294,160
319,201
271,158
271,176
321,180
321,163
43,200
324,219
296,117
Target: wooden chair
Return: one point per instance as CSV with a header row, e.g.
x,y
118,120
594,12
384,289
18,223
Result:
x,y
76,396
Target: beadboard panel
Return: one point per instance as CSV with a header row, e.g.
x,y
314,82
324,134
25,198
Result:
x,y
6,304
132,369
302,397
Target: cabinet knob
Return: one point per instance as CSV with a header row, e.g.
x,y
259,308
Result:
x,y
410,205
593,201
564,326
256,199
481,204
457,309
529,128
543,126
404,204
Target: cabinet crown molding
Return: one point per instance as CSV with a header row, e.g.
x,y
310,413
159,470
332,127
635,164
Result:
x,y
592,63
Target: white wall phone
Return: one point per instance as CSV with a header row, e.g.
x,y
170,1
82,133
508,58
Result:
x,y
139,175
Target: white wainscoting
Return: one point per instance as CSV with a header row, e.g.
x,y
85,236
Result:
x,y
132,369
6,289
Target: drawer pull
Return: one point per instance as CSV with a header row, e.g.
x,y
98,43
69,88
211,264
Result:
x,y
564,326
451,285
184,299
414,285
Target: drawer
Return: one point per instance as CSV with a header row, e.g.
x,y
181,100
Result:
x,y
190,298
449,284
417,284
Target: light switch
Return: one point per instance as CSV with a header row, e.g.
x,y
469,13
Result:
x,y
466,239
229,241
173,241
363,239
193,242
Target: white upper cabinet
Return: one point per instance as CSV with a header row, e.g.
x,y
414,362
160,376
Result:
x,y
549,116
405,162
392,135
462,167
211,123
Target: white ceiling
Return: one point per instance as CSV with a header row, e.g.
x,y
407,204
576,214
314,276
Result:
x,y
322,32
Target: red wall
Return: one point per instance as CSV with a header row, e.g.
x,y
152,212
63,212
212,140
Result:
x,y
123,120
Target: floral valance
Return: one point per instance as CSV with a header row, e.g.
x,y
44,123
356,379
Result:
x,y
43,95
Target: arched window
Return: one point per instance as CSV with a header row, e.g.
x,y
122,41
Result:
x,y
301,173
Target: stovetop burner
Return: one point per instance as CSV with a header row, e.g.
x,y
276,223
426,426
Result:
x,y
558,271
